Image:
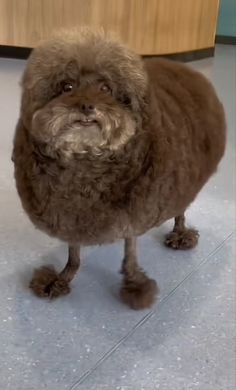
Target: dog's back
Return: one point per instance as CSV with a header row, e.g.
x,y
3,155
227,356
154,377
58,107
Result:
x,y
190,109
188,123
190,112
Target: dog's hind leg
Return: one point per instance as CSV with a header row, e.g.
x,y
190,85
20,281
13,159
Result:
x,y
138,290
47,282
182,237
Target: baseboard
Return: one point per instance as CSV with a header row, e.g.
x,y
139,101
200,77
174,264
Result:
x,y
225,39
15,52
188,56
24,52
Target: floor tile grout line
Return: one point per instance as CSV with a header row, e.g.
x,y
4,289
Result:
x,y
148,315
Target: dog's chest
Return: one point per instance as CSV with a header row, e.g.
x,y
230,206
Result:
x,y
89,206
76,208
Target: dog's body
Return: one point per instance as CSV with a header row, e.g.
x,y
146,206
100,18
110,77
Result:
x,y
95,186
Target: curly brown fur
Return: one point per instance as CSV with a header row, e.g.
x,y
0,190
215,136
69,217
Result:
x,y
182,237
139,292
186,239
46,282
108,146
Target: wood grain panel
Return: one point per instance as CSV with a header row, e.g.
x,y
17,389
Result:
x,y
148,26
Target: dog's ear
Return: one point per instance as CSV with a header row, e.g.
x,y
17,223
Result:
x,y
141,96
130,101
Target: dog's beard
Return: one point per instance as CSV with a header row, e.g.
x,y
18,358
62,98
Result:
x,y
64,129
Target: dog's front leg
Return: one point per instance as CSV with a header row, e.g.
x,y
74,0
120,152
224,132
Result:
x,y
47,282
138,290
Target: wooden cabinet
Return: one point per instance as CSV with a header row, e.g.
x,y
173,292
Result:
x,y
148,26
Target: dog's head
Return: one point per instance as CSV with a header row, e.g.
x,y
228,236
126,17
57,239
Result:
x,y
83,92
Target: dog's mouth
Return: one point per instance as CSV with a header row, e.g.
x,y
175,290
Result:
x,y
87,122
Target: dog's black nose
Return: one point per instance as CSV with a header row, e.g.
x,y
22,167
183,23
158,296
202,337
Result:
x,y
87,108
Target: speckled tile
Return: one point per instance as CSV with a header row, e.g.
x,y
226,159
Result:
x,y
51,345
188,343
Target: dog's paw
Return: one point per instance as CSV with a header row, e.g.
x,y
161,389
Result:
x,y
47,283
140,292
185,239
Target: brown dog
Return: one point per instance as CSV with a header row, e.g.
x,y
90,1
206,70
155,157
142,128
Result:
x,y
108,146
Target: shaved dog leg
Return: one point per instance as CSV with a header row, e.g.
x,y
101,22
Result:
x,y
47,282
72,265
138,291
181,237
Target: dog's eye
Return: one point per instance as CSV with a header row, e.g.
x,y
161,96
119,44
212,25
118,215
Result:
x,y
105,88
67,87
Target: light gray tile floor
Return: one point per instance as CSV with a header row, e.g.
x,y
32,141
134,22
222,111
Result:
x,y
89,339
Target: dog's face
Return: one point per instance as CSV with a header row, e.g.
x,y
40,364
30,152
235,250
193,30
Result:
x,y
83,93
